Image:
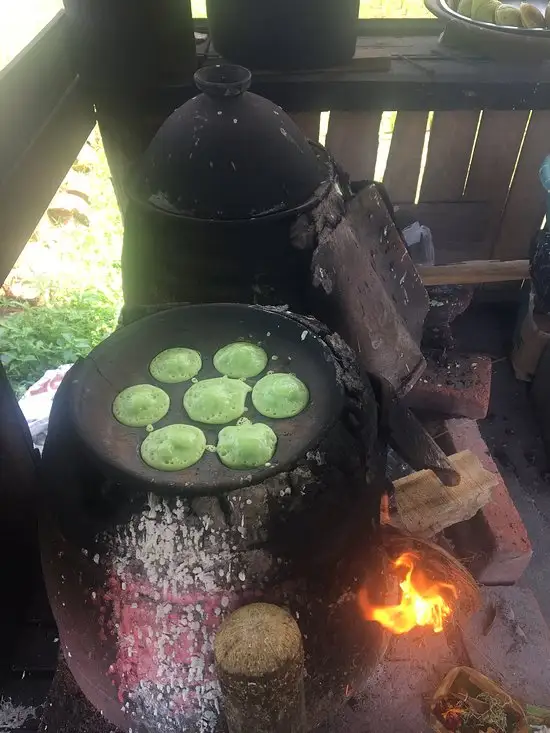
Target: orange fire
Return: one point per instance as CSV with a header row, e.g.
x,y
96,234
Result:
x,y
422,601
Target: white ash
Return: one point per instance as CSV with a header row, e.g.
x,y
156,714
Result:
x,y
152,705
180,554
14,716
174,548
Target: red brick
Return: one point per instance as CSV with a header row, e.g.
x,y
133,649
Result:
x,y
459,387
508,640
494,543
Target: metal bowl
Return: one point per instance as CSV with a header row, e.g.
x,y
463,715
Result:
x,y
503,43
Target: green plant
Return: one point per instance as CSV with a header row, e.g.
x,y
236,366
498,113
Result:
x,y
37,338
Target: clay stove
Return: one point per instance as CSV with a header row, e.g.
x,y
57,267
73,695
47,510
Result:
x,y
141,569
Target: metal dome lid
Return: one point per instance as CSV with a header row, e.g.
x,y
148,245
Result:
x,y
230,155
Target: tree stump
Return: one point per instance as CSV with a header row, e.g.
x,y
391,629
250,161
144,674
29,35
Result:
x,y
260,664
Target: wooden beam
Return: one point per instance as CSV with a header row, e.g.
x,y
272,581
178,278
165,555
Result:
x,y
474,272
45,119
26,193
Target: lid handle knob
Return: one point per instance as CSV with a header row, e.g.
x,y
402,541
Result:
x,y
223,80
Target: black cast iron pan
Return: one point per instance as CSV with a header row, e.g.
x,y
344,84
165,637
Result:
x,y
123,360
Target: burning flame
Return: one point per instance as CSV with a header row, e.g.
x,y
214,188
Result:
x,y
422,601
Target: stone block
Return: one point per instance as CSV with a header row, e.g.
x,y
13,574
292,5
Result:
x,y
457,386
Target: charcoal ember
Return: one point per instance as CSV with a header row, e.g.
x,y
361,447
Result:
x,y
540,272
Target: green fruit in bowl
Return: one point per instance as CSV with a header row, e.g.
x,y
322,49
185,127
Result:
x,y
531,17
465,8
508,15
485,10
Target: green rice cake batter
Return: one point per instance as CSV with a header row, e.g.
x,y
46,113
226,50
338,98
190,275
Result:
x,y
280,396
176,365
216,401
246,446
240,360
141,405
173,448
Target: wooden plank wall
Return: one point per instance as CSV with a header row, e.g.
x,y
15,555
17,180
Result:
x,y
470,175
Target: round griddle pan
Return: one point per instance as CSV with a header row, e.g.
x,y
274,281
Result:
x,y
123,360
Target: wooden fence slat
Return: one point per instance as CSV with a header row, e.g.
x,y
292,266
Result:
x,y
498,142
403,167
495,155
451,140
526,201
309,123
352,139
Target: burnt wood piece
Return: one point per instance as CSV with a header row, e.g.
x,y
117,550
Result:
x,y
260,664
368,288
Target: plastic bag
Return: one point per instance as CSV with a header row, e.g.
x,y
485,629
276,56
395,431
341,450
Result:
x,y
36,403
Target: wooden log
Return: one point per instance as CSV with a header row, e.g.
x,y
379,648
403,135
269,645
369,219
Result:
x,y
260,663
474,272
368,289
426,507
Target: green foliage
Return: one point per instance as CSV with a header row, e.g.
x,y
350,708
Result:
x,y
37,338
73,272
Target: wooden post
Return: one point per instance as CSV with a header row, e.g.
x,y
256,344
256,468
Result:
x,y
260,663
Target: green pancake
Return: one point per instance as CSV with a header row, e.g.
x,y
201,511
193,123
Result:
x,y
280,396
246,446
173,448
176,365
216,401
240,360
141,405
